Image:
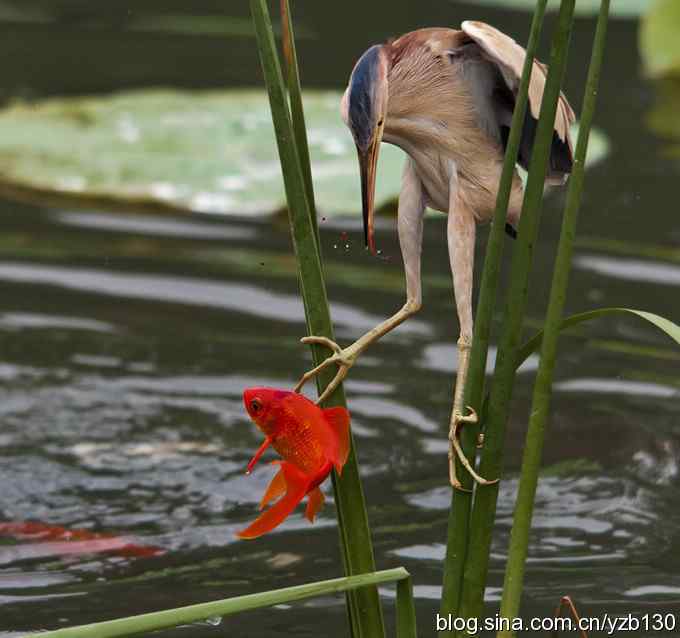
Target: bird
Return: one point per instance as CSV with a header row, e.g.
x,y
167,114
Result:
x,y
446,97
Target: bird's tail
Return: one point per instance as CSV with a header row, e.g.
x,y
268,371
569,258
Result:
x,y
297,484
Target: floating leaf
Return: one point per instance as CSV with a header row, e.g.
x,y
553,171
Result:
x,y
202,151
659,41
620,8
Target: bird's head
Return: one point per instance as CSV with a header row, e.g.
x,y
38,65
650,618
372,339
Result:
x,y
364,109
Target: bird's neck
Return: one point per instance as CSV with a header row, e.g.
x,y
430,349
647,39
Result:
x,y
423,113
410,128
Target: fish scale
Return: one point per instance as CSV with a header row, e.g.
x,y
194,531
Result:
x,y
300,445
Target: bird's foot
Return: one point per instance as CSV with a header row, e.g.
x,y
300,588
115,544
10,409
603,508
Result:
x,y
457,421
344,359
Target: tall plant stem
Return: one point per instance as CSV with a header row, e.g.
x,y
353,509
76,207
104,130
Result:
x,y
533,449
461,502
297,108
365,609
484,507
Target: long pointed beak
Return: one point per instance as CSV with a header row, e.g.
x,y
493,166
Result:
x,y
368,162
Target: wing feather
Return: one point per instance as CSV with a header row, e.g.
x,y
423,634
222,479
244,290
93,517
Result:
x,y
508,56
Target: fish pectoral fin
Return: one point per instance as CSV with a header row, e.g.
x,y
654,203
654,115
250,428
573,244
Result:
x,y
260,451
276,487
338,418
315,501
297,485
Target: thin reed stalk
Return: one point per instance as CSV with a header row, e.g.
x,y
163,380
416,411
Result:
x,y
540,406
484,507
297,109
461,502
168,618
357,550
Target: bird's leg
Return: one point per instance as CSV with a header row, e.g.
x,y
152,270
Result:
x,y
345,358
461,240
410,227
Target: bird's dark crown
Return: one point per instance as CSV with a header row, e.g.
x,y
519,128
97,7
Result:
x,y
361,93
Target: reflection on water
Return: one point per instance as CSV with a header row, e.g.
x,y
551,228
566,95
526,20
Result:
x,y
125,344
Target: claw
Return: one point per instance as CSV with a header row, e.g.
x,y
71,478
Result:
x,y
454,447
467,418
322,341
340,357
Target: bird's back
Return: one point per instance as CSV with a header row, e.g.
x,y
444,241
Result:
x,y
438,115
451,97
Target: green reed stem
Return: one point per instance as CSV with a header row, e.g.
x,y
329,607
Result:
x,y
533,449
365,608
166,619
484,507
297,108
461,503
297,113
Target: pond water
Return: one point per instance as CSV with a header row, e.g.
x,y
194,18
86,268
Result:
x,y
126,341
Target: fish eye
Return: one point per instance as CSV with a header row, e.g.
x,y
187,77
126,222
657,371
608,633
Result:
x,y
256,405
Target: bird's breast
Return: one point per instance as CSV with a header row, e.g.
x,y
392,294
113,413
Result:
x,y
433,167
447,156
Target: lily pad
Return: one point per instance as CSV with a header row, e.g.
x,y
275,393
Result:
x,y
195,151
620,8
660,39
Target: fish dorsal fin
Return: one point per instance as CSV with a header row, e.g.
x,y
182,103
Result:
x,y
338,418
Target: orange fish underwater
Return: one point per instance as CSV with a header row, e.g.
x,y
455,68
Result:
x,y
53,540
311,440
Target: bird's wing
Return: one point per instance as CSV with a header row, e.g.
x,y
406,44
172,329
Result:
x,y
508,57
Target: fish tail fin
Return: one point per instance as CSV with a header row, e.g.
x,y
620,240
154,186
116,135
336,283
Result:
x,y
276,487
315,501
297,484
338,418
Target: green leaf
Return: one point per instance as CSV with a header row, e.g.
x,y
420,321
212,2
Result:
x,y
202,151
665,325
534,344
620,8
659,41
142,624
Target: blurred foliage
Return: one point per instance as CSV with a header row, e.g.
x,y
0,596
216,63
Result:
x,y
620,8
660,39
663,118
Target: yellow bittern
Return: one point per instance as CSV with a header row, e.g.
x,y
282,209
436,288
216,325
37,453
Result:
x,y
446,97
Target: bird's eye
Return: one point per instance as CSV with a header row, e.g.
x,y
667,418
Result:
x,y
381,122
256,405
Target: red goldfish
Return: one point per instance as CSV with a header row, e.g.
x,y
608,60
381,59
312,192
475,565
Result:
x,y
53,540
311,440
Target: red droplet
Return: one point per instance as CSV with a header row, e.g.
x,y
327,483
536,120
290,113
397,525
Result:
x,y
343,236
